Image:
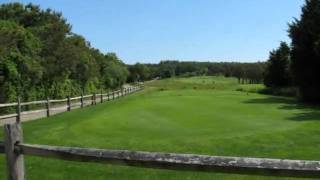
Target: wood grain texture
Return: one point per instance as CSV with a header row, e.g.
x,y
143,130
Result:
x,y
14,159
173,161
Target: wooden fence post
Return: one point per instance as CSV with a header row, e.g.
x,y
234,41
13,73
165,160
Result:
x,y
68,103
101,97
95,98
14,158
81,100
108,97
48,107
18,110
92,99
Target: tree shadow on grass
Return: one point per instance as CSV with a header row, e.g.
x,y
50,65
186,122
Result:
x,y
306,116
309,112
271,100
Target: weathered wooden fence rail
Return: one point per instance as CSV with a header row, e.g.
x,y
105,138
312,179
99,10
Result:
x,y
69,102
15,149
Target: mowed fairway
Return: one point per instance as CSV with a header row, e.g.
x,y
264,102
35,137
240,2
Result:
x,y
202,115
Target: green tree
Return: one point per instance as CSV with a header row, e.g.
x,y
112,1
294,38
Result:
x,y
277,73
114,73
305,35
139,72
19,62
40,57
167,69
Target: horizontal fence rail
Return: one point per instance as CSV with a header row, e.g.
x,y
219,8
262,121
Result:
x,y
174,161
8,105
58,100
69,102
8,116
133,88
33,103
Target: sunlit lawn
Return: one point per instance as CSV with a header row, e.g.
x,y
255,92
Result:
x,y
203,115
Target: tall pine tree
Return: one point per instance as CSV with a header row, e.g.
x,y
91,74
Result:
x,y
305,35
277,73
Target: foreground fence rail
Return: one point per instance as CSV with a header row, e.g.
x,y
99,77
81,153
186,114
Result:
x,y
66,104
15,149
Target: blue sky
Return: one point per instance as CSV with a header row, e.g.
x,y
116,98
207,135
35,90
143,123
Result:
x,y
199,30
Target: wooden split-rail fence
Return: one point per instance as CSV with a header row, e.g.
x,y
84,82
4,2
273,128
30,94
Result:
x,y
15,149
67,104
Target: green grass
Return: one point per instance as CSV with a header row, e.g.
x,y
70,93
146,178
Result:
x,y
203,115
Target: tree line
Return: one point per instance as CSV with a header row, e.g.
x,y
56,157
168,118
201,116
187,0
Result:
x,y
297,64
41,57
244,72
